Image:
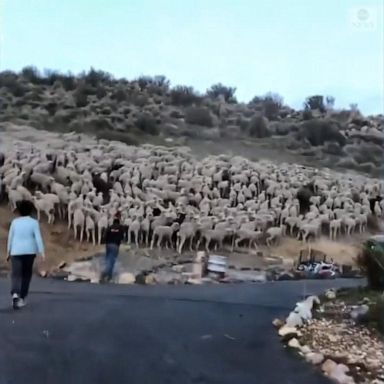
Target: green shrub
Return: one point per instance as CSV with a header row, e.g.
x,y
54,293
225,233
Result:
x,y
81,98
258,127
182,95
198,116
371,262
31,74
317,132
307,114
219,89
119,94
147,124
315,102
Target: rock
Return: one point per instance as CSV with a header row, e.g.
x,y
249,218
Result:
x,y
150,279
358,313
330,294
278,323
328,366
305,349
43,273
339,374
287,333
294,343
126,278
314,358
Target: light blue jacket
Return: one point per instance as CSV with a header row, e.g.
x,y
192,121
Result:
x,y
24,237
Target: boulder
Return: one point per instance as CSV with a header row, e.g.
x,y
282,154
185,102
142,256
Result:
x,y
294,343
287,333
330,294
126,278
328,366
314,358
278,323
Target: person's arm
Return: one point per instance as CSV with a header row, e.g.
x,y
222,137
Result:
x,y
38,239
10,240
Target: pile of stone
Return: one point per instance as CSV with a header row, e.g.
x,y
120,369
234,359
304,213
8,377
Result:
x,y
344,350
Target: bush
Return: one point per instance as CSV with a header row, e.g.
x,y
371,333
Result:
x,y
182,95
147,124
81,96
219,89
258,127
97,77
198,116
371,262
317,132
157,84
101,92
31,74
119,95
307,114
315,102
270,104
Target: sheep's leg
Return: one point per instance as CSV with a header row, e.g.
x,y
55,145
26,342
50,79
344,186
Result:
x,y
153,241
81,233
191,243
207,242
167,242
99,235
93,237
87,235
237,242
137,239
181,244
159,241
75,231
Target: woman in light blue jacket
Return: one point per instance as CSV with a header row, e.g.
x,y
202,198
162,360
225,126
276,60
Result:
x,y
24,243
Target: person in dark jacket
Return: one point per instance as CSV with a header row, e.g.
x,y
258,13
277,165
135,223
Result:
x,y
113,237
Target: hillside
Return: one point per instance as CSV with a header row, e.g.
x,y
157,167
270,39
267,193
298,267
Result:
x,y
150,110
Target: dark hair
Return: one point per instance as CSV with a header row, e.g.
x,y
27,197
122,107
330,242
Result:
x,y
25,207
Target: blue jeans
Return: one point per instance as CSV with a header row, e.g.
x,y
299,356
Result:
x,y
111,253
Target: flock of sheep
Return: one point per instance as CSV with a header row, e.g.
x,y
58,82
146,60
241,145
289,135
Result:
x,y
166,196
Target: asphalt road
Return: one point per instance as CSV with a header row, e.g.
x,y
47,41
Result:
x,y
83,333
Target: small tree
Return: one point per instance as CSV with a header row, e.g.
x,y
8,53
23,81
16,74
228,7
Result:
x,y
330,102
31,74
219,89
198,116
272,103
315,102
182,95
258,127
354,107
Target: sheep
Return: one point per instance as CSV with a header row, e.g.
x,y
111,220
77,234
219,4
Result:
x,y
275,234
90,229
46,206
251,236
78,222
164,233
187,231
334,228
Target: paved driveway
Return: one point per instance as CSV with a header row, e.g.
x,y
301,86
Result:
x,y
81,333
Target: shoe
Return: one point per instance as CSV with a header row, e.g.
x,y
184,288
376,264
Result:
x,y
21,303
15,301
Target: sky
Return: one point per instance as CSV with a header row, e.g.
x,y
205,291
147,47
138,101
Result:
x,y
295,48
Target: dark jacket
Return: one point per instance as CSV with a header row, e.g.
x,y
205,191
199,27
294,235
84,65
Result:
x,y
114,234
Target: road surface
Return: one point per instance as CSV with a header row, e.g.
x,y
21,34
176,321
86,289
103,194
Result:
x,y
84,333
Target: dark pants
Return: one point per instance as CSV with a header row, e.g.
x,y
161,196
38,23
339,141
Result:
x,y
21,274
111,253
